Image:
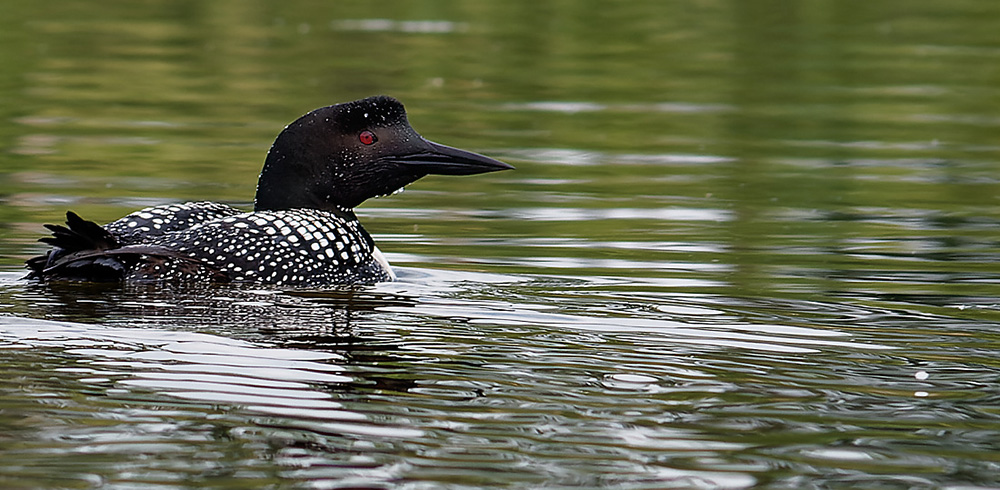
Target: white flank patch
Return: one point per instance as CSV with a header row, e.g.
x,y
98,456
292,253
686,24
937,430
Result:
x,y
377,254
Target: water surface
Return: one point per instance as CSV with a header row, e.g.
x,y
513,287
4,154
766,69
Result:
x,y
747,245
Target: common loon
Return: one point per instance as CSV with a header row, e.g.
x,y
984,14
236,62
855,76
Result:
x,y
302,231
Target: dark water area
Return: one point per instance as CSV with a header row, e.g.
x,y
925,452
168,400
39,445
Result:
x,y
747,245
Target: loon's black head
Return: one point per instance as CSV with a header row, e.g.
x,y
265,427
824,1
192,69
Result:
x,y
335,157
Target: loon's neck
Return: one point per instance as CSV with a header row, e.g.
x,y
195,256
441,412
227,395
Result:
x,y
283,184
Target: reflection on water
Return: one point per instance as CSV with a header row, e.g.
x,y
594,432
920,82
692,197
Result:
x,y
584,381
746,245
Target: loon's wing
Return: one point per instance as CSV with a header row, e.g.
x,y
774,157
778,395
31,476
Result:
x,y
155,221
84,251
134,263
297,247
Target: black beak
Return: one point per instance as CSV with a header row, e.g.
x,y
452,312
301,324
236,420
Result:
x,y
445,160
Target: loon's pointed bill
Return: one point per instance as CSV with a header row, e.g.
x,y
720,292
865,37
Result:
x,y
445,160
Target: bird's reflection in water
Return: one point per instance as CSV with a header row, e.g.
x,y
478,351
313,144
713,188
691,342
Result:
x,y
301,320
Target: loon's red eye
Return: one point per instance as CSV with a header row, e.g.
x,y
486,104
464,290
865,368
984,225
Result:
x,y
367,137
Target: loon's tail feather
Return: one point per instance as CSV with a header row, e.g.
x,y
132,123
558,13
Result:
x,y
79,234
78,237
84,251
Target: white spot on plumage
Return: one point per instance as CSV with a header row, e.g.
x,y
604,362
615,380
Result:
x,y
228,239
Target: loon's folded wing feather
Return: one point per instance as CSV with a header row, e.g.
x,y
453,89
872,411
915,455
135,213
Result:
x,y
156,221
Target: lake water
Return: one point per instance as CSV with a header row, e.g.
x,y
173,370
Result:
x,y
747,245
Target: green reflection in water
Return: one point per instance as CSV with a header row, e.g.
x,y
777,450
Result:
x,y
771,156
